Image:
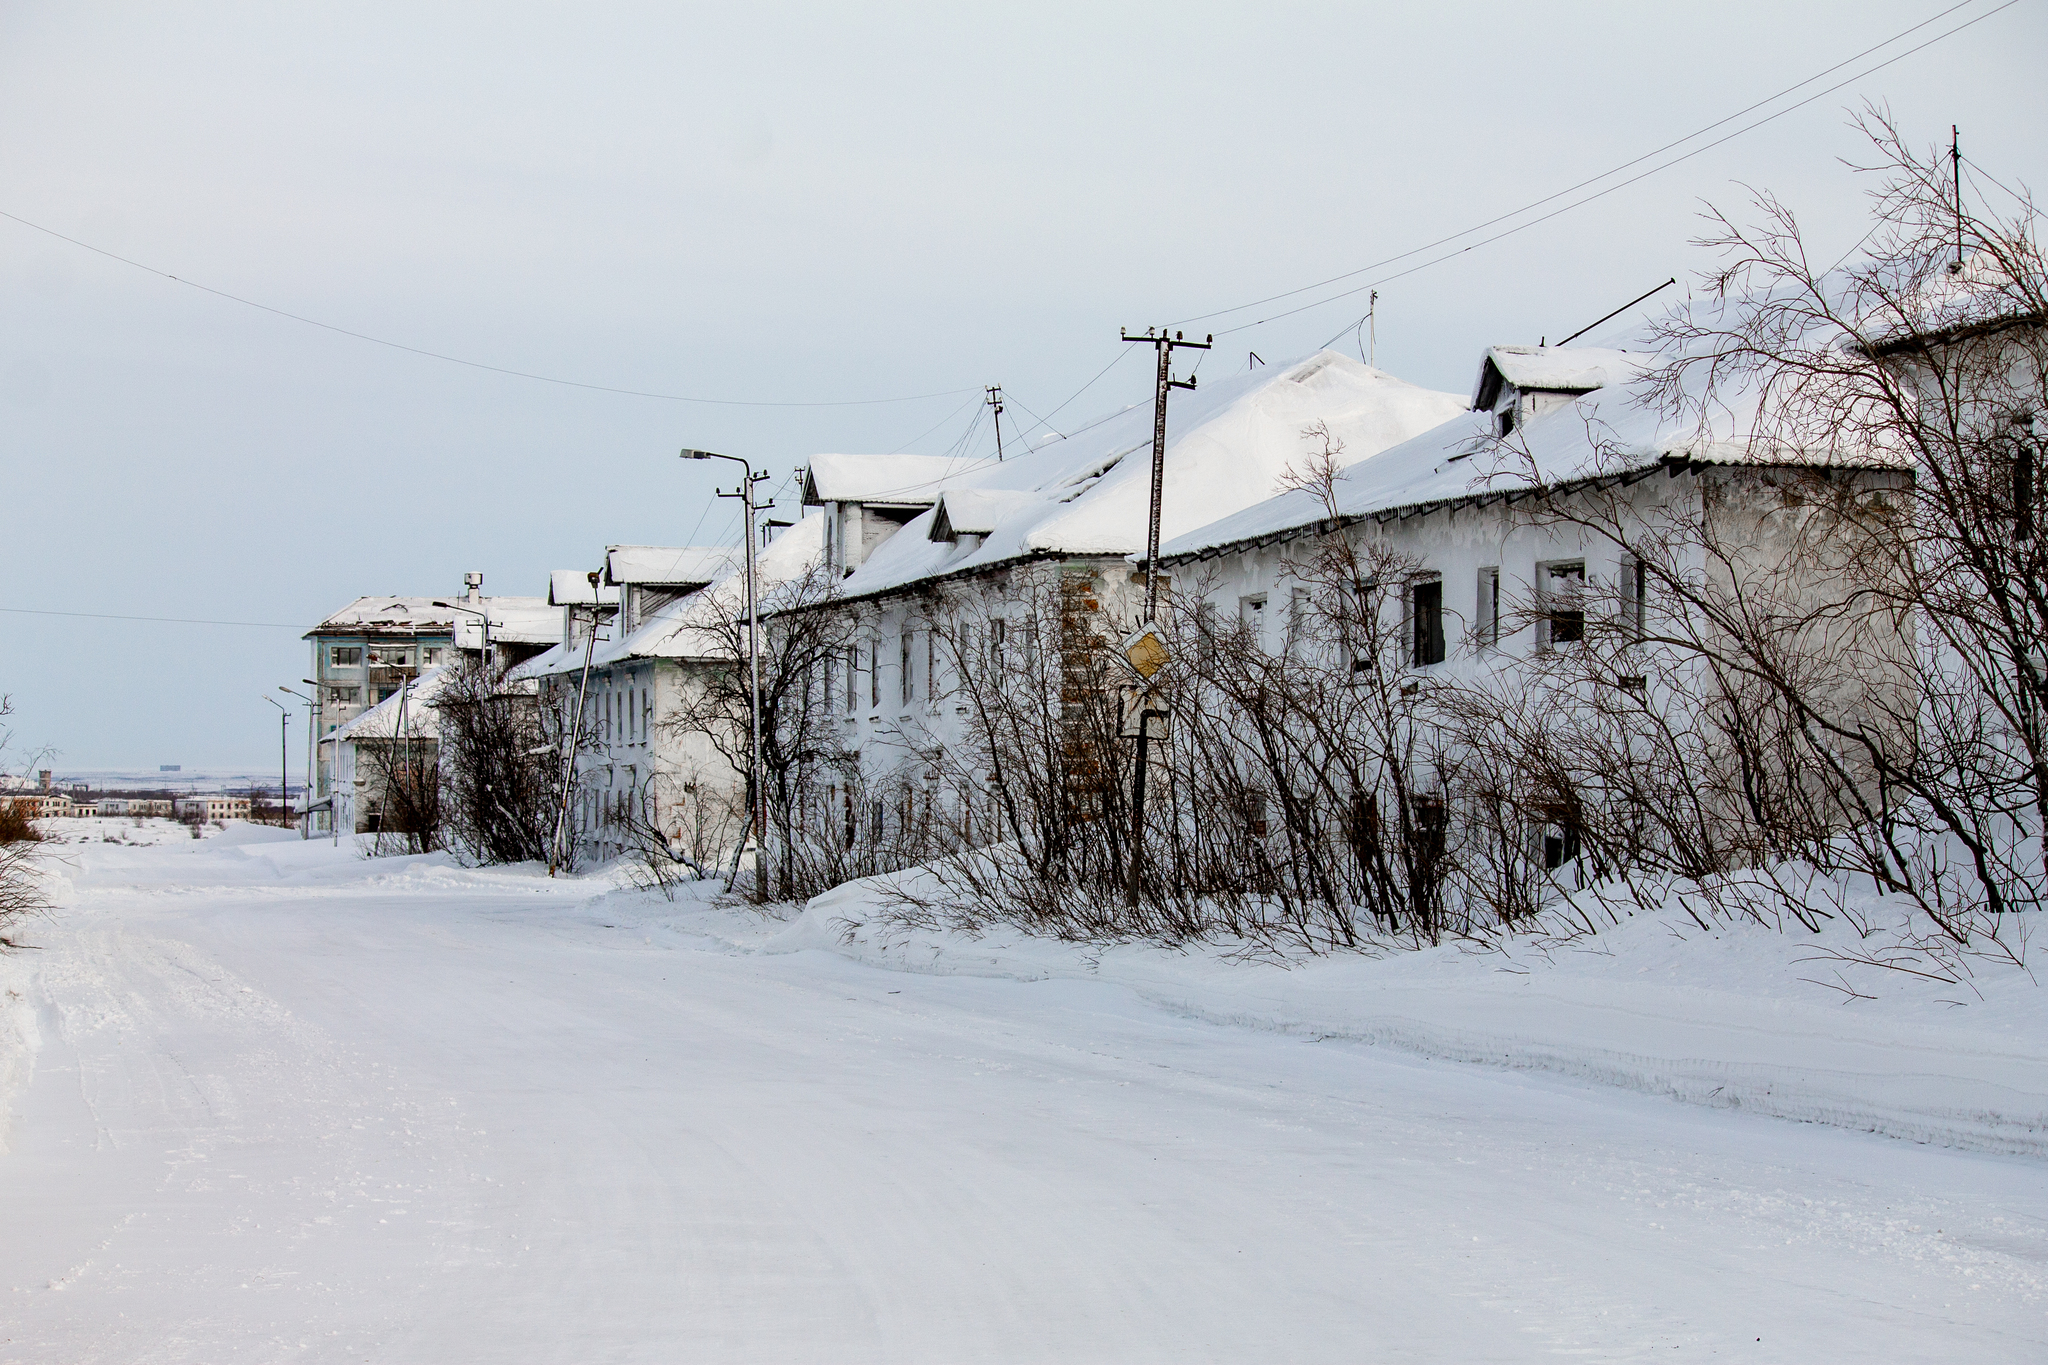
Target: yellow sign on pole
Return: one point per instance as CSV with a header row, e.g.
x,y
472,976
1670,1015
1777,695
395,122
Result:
x,y
1145,652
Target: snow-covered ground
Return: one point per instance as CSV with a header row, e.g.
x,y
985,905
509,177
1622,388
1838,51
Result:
x,y
274,1101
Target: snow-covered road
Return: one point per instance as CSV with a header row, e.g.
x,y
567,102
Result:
x,y
291,1105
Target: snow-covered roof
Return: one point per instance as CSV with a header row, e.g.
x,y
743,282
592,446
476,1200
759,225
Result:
x,y
398,615
514,620
1980,299
1228,444
892,480
974,511
524,620
1601,433
381,720
692,628
670,566
1552,369
571,588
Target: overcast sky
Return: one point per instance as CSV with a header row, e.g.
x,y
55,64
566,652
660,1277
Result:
x,y
768,204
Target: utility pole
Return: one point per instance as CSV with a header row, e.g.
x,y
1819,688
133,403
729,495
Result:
x,y
306,828
757,805
995,400
284,778
1163,346
1955,155
574,732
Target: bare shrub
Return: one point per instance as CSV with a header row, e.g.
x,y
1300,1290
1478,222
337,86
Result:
x,y
500,763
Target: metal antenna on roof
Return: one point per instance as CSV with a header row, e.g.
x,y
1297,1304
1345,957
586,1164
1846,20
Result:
x,y
995,400
1372,326
1617,312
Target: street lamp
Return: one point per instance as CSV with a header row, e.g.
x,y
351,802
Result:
x,y
481,616
757,809
306,823
284,775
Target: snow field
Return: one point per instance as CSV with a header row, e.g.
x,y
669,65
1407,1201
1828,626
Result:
x,y
292,1104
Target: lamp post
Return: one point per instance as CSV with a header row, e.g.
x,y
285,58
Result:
x,y
284,776
306,823
481,616
757,807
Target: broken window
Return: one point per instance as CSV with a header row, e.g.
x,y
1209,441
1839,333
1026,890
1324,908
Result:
x,y
1426,622
2023,477
1560,837
1251,614
1297,618
1488,616
1635,597
1561,588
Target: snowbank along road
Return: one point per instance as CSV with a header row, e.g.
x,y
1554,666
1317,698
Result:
x,y
271,1101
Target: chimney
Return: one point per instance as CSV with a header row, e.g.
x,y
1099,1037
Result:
x,y
472,585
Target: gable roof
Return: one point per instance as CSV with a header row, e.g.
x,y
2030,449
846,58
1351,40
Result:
x,y
687,566
973,511
1551,369
891,480
1599,434
1087,493
571,588
692,627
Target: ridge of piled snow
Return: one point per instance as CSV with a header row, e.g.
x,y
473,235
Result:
x,y
1734,1019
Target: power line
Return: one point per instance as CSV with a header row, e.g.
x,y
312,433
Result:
x,y
1590,180
168,620
1599,194
458,360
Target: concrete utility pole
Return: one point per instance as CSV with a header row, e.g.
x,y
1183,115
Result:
x,y
757,804
575,730
1163,345
284,773
306,822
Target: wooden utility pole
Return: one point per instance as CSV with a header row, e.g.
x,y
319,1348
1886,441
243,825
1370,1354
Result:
x,y
1163,345
1955,156
995,400
757,805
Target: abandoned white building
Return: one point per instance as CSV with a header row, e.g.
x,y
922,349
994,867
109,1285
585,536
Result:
x,y
665,622
1505,527
366,652
395,741
938,551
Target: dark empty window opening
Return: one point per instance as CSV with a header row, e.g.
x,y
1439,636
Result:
x,y
1635,596
1560,838
1564,602
1489,607
1506,421
2023,484
1426,612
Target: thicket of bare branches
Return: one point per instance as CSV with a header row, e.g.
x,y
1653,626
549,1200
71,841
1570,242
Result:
x,y
21,882
1821,672
799,732
1931,351
500,763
